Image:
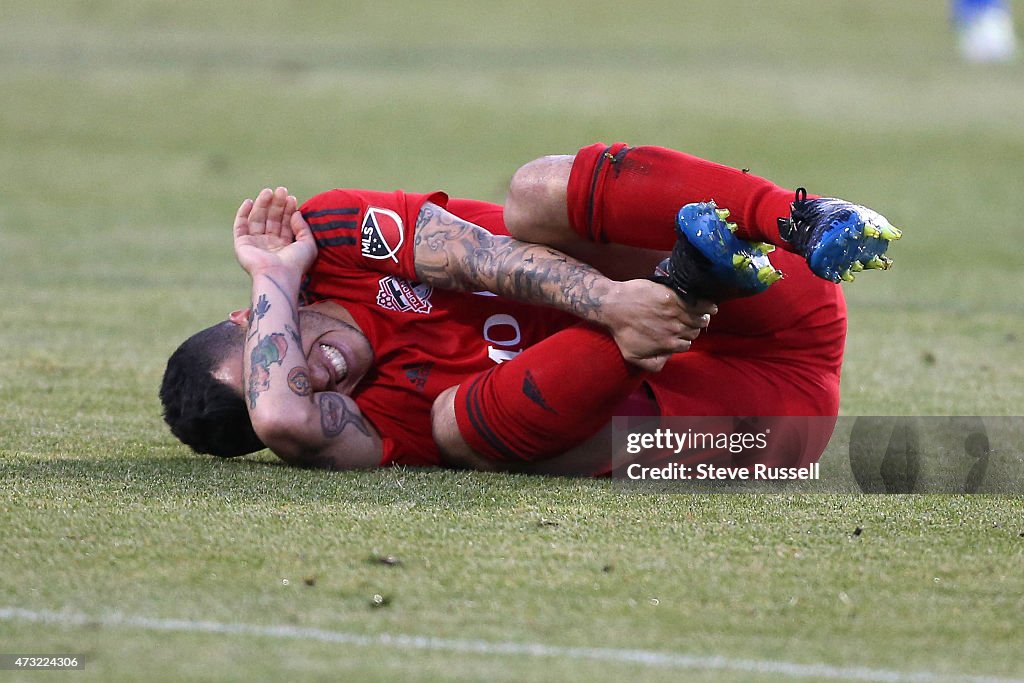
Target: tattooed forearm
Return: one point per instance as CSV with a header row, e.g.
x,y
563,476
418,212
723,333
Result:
x,y
268,351
335,416
454,254
271,349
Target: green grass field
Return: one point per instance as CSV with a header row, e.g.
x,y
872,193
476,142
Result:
x,y
129,132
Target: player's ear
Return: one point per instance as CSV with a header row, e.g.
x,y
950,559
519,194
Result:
x,y
240,317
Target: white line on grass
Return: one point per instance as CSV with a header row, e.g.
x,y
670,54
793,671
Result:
x,y
485,647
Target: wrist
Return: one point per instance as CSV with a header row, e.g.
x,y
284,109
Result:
x,y
607,294
282,275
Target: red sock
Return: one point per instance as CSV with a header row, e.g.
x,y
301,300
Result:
x,y
547,399
631,195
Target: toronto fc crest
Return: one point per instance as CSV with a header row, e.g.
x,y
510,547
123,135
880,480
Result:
x,y
396,294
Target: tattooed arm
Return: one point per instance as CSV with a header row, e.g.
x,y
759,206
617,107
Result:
x,y
324,429
649,322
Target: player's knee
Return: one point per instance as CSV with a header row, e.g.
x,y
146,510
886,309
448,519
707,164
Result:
x,y
535,208
454,450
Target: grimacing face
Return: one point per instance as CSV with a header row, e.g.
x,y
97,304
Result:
x,y
338,353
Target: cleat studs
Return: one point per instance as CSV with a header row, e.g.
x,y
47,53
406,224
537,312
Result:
x,y
732,227
740,261
856,266
768,275
879,263
722,213
763,248
871,231
846,276
889,233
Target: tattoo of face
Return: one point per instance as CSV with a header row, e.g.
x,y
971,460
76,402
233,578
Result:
x,y
268,351
298,382
335,416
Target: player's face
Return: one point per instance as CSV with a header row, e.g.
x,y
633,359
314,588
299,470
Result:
x,y
338,353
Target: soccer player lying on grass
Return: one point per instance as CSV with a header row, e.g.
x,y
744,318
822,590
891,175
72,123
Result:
x,y
404,355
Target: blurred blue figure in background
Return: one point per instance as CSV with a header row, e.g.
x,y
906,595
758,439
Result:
x,y
985,29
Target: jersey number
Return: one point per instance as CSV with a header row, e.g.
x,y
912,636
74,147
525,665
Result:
x,y
502,332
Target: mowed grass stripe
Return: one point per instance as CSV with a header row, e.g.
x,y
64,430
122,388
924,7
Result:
x,y
650,658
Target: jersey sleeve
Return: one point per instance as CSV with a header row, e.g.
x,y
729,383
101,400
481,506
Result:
x,y
485,214
363,230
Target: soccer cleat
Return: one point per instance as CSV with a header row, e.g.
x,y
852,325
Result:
x,y
836,237
709,262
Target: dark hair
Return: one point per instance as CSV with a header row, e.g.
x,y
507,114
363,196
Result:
x,y
205,413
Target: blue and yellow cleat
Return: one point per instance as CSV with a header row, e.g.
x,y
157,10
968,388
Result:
x,y
710,263
838,238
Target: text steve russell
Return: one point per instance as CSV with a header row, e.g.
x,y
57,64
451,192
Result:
x,y
705,472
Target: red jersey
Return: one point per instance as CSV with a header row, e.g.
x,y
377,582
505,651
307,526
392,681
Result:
x,y
425,340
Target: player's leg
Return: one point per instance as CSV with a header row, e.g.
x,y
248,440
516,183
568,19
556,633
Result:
x,y
632,196
707,260
593,456
536,211
793,406
546,400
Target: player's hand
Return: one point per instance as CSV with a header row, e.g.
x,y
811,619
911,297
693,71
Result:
x,y
271,235
650,322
